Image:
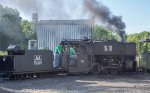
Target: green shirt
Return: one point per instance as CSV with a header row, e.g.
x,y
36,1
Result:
x,y
58,49
72,51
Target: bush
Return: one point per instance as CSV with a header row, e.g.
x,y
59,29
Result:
x,y
3,53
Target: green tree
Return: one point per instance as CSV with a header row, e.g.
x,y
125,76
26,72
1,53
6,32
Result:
x,y
136,38
100,33
10,22
28,29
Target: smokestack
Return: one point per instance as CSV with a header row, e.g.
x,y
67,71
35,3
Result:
x,y
34,17
122,36
34,22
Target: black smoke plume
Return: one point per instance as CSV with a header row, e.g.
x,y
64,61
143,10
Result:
x,y
98,10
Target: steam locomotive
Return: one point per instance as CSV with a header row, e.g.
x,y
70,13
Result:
x,y
92,57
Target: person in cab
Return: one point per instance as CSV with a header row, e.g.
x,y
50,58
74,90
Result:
x,y
73,56
57,56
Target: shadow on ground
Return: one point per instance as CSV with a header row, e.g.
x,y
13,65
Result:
x,y
80,83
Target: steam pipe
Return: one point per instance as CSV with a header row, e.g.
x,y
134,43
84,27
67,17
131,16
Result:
x,y
122,36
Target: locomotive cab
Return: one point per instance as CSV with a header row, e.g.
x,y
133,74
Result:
x,y
79,63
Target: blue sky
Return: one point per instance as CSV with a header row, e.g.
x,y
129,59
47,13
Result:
x,y
135,13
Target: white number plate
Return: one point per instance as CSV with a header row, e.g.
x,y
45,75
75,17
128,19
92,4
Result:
x,y
108,48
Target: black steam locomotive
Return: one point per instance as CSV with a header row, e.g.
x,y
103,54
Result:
x,y
92,57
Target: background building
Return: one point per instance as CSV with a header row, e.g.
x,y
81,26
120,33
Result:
x,y
51,32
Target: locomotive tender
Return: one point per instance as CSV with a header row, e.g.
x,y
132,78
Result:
x,y
92,56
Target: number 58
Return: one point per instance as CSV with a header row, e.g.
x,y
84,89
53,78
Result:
x,y
108,48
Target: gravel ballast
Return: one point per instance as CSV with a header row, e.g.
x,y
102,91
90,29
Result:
x,y
79,84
